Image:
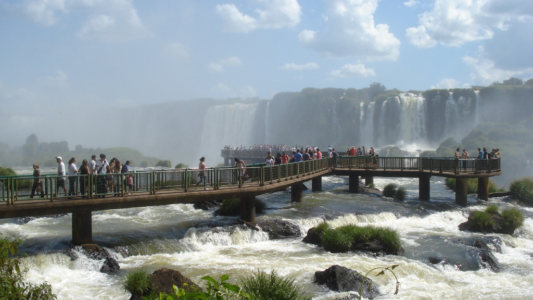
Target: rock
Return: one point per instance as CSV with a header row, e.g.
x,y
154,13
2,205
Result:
x,y
480,255
26,220
488,261
207,205
341,279
373,246
94,251
497,219
435,260
279,229
163,280
110,266
312,237
491,243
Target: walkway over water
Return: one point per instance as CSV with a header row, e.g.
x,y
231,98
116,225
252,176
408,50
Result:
x,y
178,186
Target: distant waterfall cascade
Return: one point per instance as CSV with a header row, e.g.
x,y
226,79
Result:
x,y
230,124
335,124
477,117
413,118
382,128
461,115
366,119
267,123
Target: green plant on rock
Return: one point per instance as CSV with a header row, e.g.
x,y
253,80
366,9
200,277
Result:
x,y
390,190
522,190
514,218
400,194
336,241
493,209
137,282
342,239
372,185
216,290
482,221
263,286
12,285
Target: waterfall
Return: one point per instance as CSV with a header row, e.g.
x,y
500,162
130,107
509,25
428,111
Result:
x,y
451,116
335,123
382,128
366,127
476,114
230,124
267,123
413,118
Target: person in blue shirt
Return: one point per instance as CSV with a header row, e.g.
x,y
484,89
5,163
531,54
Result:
x,y
298,156
480,155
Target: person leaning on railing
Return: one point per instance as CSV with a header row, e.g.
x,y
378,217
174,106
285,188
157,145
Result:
x,y
37,184
84,171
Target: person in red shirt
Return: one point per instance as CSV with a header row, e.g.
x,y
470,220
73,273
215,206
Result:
x,y
284,158
353,151
318,154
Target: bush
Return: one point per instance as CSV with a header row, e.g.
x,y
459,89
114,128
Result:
x,y
390,190
522,190
181,166
7,172
429,153
320,228
482,221
400,194
232,207
472,185
493,209
334,240
261,285
12,285
372,185
138,282
164,164
513,218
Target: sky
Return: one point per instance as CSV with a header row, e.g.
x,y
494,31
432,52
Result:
x,y
71,56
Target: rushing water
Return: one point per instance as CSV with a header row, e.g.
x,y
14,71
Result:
x,y
180,237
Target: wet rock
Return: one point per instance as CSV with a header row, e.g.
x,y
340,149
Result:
x,y
110,266
341,279
435,260
279,229
478,254
207,205
96,252
491,243
163,280
373,246
26,220
312,237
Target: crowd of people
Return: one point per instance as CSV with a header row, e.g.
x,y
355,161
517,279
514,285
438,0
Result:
x,y
100,168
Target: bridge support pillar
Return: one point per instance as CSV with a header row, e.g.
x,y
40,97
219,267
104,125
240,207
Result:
x,y
483,188
461,191
353,183
369,180
317,184
424,187
248,209
226,161
82,227
297,192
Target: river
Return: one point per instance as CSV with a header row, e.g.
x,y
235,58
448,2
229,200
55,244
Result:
x,y
176,236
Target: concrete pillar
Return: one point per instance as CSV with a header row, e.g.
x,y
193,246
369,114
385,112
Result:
x,y
461,191
483,188
297,193
369,180
317,184
353,183
424,187
248,209
226,161
82,227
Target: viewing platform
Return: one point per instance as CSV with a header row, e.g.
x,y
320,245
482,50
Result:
x,y
179,185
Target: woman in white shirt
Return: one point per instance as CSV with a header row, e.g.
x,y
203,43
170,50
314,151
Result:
x,y
72,172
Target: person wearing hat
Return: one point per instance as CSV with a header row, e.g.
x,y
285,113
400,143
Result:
x,y
61,172
201,174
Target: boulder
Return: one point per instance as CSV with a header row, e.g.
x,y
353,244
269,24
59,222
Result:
x,y
279,229
490,243
96,252
110,266
312,237
25,220
163,280
207,205
341,279
374,246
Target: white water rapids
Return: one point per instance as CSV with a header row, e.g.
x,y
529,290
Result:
x,y
178,237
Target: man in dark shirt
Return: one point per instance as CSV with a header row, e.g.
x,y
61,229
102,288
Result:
x,y
305,156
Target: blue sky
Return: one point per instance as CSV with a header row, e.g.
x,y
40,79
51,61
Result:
x,y
67,55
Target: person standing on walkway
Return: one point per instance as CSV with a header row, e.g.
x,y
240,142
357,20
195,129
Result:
x,y
335,155
92,165
72,172
480,153
269,161
201,174
84,171
277,161
241,166
284,158
37,184
464,156
61,172
102,170
298,156
318,153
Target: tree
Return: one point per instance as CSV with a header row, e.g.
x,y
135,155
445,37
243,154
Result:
x,y
376,89
513,81
529,82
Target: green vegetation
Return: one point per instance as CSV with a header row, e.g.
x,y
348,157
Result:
x,y
12,285
263,286
482,221
493,209
429,153
400,194
513,217
381,272
390,190
7,172
522,190
472,185
138,282
181,166
372,185
232,207
344,238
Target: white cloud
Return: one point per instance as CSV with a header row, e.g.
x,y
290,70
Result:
x,y
307,66
410,3
351,31
485,72
455,22
59,80
175,51
446,83
108,21
275,14
349,70
221,65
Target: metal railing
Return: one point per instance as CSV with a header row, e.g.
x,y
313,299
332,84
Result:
x,y
428,164
19,188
